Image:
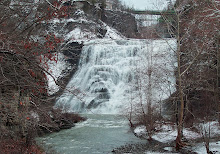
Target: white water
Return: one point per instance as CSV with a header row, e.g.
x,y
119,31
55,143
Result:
x,y
109,70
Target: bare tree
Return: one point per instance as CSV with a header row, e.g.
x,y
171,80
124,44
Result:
x,y
25,48
195,53
151,84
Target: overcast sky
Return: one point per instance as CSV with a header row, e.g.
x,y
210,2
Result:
x,y
146,4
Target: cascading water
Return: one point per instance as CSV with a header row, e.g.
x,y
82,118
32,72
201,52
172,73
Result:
x,y
109,70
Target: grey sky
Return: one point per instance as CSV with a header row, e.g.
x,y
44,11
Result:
x,y
146,4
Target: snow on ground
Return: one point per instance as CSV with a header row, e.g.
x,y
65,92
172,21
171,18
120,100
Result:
x,y
214,147
168,132
140,131
214,128
56,68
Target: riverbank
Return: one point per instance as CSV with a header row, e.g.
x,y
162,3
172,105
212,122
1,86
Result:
x,y
19,146
194,147
27,144
152,146
60,121
103,133
164,140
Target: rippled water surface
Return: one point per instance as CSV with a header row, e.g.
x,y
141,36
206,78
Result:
x,y
98,134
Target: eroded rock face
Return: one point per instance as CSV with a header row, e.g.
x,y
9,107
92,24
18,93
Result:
x,y
124,22
72,51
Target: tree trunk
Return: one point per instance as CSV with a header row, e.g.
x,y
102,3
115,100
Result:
x,y
149,97
181,111
218,77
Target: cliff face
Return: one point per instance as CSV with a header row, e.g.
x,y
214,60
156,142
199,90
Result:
x,y
124,22
93,21
72,52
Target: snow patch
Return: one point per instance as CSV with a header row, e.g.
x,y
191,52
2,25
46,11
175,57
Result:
x,y
214,128
168,148
112,34
140,131
56,68
168,133
214,147
77,34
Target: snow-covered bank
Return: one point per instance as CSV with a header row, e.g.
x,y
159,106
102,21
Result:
x,y
200,147
166,134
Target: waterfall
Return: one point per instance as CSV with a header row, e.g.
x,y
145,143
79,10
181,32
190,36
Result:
x,y
108,72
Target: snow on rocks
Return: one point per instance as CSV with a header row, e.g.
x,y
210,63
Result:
x,y
113,33
55,68
78,34
80,27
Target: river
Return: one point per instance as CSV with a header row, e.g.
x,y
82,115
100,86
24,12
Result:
x,y
98,134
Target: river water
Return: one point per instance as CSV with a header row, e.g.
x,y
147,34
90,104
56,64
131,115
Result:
x,y
98,134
